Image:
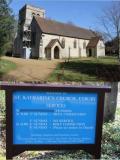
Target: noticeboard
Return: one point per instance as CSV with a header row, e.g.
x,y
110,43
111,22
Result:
x,y
53,117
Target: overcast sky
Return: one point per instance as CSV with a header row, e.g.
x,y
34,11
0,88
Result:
x,y
81,13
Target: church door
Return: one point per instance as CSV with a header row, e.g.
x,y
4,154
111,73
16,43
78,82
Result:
x,y
56,53
90,52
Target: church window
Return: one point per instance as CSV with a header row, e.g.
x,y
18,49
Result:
x,y
63,42
84,45
75,43
41,42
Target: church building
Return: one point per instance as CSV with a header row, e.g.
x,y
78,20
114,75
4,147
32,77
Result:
x,y
42,38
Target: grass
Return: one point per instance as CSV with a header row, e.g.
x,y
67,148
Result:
x,y
87,69
2,158
6,66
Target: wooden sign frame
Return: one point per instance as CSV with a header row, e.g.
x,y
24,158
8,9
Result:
x,y
13,150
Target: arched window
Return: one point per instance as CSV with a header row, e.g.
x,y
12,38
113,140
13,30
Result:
x,y
75,44
79,52
41,42
63,42
84,45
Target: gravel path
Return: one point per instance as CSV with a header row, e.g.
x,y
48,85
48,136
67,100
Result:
x,y
30,70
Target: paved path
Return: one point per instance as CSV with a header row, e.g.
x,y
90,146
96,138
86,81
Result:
x,y
30,70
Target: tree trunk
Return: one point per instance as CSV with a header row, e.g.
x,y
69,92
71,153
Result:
x,y
118,98
118,45
119,49
111,103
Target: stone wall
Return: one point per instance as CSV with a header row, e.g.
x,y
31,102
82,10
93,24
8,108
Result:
x,y
69,49
77,52
26,15
100,49
36,49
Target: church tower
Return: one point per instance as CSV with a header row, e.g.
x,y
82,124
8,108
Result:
x,y
23,39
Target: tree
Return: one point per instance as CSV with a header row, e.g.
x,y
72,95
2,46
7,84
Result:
x,y
110,20
111,102
111,47
6,26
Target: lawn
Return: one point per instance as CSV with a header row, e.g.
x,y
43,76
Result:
x,y
87,69
28,70
6,66
84,69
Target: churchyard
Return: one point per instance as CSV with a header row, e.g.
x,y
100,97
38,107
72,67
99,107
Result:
x,y
87,69
84,69
25,70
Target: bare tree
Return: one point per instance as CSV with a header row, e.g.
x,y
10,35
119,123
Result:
x,y
110,20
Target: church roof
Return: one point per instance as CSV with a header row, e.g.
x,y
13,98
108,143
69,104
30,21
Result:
x,y
67,30
93,42
52,42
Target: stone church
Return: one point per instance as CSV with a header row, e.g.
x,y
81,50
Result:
x,y
42,38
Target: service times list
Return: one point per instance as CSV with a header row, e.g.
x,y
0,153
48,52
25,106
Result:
x,y
54,117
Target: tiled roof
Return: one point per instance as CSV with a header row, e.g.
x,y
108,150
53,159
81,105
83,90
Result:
x,y
52,42
93,42
57,28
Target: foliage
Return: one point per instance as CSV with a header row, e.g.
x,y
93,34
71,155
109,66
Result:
x,y
6,27
6,66
110,21
2,158
87,69
111,47
111,140
2,102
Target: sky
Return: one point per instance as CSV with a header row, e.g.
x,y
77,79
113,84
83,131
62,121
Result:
x,y
81,13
